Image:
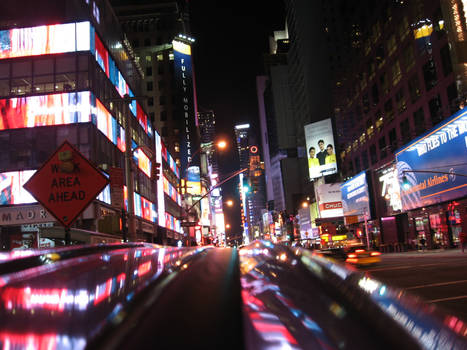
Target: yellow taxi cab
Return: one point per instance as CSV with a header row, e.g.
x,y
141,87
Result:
x,y
360,255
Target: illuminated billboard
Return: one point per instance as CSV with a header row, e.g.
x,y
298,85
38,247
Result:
x,y
183,75
389,189
321,152
160,184
44,40
444,149
142,207
356,198
329,200
193,180
60,109
11,187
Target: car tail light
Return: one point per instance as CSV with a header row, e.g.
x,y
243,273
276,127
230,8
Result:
x,y
359,250
375,253
352,255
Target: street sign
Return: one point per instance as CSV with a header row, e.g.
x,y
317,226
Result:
x,y
66,184
116,187
188,224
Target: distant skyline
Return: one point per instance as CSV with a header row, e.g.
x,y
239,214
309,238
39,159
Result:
x,y
231,38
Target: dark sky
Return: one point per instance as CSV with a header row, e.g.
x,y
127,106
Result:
x,y
231,37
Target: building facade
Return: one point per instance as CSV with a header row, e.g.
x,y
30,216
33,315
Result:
x,y
68,74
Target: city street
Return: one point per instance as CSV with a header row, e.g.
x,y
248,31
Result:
x,y
438,277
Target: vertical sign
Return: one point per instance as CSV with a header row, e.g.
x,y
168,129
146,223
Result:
x,y
183,73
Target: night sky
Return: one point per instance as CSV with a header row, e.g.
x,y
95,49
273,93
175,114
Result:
x,y
231,38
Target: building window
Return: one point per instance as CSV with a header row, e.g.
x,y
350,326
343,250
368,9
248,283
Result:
x,y
147,42
452,98
396,73
161,84
149,71
382,147
149,86
148,59
135,43
151,101
408,58
414,88
164,131
357,165
389,110
176,147
151,116
401,101
365,163
383,81
393,139
436,111
375,94
176,131
366,103
419,121
163,116
404,127
171,56
373,154
403,28
160,69
446,60
162,100
391,45
160,57
429,74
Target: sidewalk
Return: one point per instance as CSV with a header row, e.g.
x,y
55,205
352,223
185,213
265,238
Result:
x,y
418,253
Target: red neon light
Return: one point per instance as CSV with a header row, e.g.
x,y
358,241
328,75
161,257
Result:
x,y
144,268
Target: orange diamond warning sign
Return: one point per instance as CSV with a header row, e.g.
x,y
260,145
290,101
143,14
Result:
x,y
66,184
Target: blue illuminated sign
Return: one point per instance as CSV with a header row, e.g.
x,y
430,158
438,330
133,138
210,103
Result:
x,y
356,198
444,149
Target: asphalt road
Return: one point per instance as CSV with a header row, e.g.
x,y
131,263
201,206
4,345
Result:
x,y
438,277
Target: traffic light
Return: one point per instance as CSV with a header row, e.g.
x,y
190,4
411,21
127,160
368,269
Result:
x,y
155,171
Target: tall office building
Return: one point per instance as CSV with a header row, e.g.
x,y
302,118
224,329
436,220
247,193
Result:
x,y
64,73
407,76
241,137
207,129
159,34
151,27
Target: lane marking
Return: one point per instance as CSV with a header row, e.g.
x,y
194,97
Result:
x,y
401,267
446,299
436,284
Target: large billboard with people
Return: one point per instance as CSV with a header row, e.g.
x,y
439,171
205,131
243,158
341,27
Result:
x,y
320,148
432,168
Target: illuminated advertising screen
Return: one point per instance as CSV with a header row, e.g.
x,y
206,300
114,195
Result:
x,y
143,208
389,189
205,211
329,200
47,110
444,149
183,75
60,109
44,40
160,182
193,180
356,198
11,187
321,152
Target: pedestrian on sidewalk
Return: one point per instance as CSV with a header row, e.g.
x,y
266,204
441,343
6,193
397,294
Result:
x,y
422,243
463,240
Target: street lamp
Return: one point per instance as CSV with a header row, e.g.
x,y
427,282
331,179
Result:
x,y
229,203
227,226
